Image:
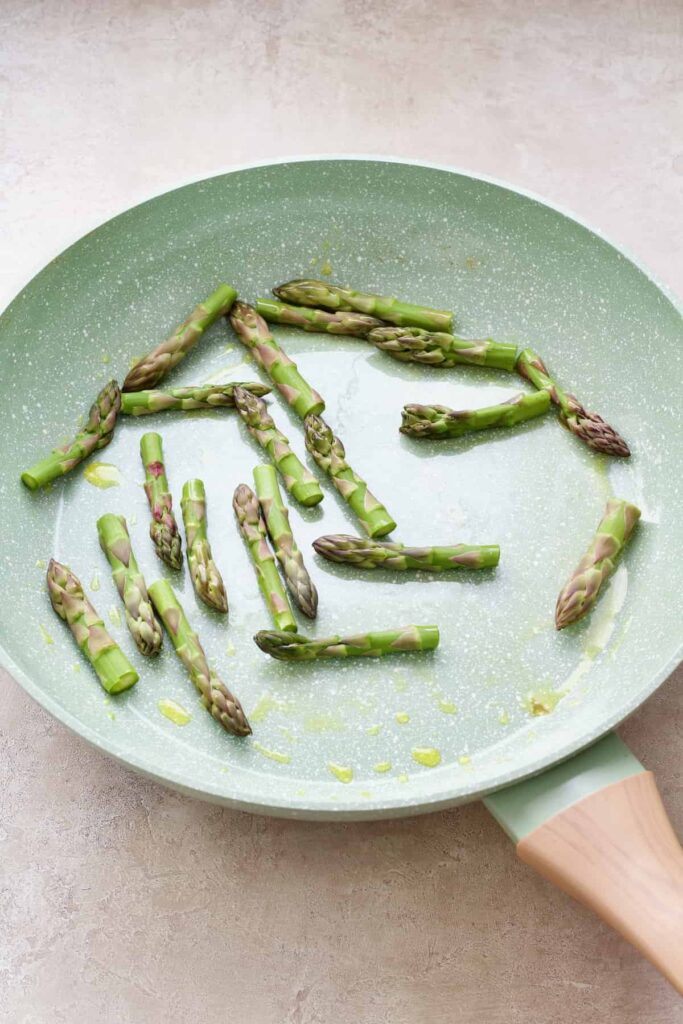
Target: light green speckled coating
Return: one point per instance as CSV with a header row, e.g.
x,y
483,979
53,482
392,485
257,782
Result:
x,y
514,269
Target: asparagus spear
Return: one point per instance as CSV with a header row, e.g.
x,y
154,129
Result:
x,y
163,529
579,594
332,296
318,320
441,422
130,583
156,364
372,554
300,483
206,578
587,426
252,330
97,433
113,669
434,348
295,647
213,396
328,451
280,532
253,529
215,696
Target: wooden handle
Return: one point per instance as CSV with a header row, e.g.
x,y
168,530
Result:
x,y
616,852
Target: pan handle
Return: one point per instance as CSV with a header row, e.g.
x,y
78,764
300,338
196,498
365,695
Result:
x,y
596,827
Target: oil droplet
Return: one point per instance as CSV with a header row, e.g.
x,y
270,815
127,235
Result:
x,y
45,635
600,468
175,712
265,705
402,717
366,794
114,616
383,766
428,756
102,474
274,755
95,582
402,777
504,718
340,772
225,771
112,715
464,759
76,667
400,685
374,730
364,707
228,348
542,702
133,361
322,723
326,269
40,564
230,649
222,374
300,792
447,707
106,359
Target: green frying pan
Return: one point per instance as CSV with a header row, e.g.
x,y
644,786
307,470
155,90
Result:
x,y
350,740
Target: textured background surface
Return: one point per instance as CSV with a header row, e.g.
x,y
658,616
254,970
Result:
x,y
122,902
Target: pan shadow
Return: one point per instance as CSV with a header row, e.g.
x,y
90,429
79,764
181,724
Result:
x,y
430,447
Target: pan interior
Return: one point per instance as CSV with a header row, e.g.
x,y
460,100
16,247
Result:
x,y
511,268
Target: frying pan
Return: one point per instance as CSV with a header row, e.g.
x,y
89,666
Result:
x,y
343,740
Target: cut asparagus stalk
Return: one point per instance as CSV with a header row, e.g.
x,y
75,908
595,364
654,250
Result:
x,y
331,296
215,695
372,554
97,433
163,529
300,483
438,421
317,320
412,345
328,451
295,647
130,583
289,556
253,530
252,330
580,593
587,426
206,578
113,669
213,396
156,364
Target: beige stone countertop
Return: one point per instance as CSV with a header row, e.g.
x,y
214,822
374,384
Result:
x,y
123,902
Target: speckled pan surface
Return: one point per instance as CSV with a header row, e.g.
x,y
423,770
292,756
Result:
x,y
509,266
